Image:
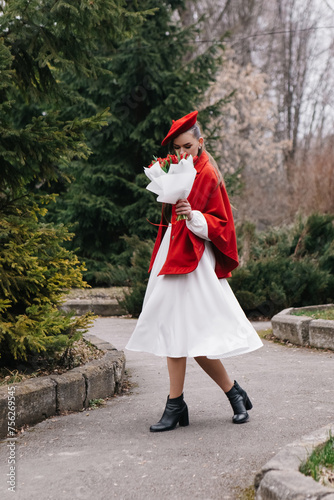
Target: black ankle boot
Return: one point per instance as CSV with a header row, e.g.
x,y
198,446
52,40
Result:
x,y
176,411
240,403
247,401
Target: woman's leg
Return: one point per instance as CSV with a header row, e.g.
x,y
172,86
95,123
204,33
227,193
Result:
x,y
216,370
176,411
238,398
177,373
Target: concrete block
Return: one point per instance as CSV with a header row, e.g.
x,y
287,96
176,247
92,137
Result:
x,y
295,329
321,333
290,485
70,391
35,400
289,458
321,307
100,378
318,437
118,359
101,307
101,344
105,346
3,411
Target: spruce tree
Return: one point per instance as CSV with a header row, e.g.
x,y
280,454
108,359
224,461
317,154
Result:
x,y
40,41
150,80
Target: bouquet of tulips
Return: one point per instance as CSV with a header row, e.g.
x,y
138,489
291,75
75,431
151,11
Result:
x,y
171,178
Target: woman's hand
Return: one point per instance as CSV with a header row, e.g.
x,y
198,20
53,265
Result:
x,y
183,207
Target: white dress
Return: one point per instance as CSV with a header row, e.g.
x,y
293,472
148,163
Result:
x,y
194,314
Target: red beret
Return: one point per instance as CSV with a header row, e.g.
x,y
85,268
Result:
x,y
180,126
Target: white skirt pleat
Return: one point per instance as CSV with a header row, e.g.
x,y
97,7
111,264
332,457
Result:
x,y
193,314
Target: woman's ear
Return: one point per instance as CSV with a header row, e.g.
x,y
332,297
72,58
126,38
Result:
x,y
201,141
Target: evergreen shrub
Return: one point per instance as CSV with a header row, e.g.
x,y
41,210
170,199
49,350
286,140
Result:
x,y
137,273
35,272
287,267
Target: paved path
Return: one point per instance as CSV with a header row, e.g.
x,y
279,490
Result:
x,y
110,453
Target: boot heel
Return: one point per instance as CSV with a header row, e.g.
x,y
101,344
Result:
x,y
184,419
248,404
245,397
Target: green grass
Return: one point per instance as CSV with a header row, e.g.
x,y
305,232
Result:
x,y
317,313
321,457
265,334
12,377
245,493
95,403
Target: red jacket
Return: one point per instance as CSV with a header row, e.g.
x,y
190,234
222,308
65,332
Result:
x,y
186,249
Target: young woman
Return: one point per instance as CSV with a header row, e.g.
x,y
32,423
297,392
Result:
x,y
189,309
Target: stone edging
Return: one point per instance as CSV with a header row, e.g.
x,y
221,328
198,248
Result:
x,y
101,307
280,479
303,330
42,397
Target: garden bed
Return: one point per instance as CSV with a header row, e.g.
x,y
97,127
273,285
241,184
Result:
x,y
80,353
327,313
297,326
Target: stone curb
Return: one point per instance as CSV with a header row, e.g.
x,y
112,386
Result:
x,y
303,330
42,397
101,307
280,479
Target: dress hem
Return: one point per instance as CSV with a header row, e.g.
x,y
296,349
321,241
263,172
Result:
x,y
235,352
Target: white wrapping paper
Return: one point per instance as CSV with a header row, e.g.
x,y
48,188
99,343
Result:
x,y
174,185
